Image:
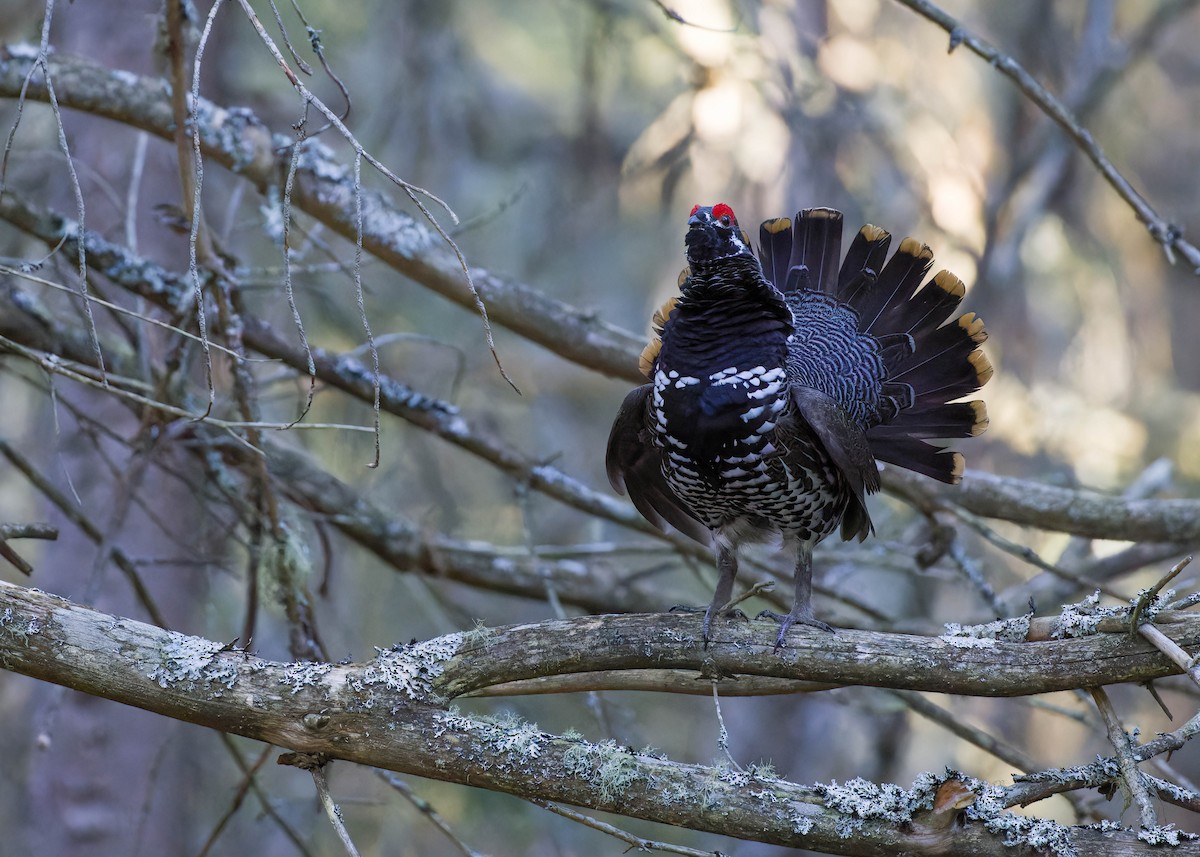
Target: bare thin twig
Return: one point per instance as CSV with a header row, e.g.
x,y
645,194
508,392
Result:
x,y
413,192
635,842
1131,776
1172,650
1169,235
426,809
722,732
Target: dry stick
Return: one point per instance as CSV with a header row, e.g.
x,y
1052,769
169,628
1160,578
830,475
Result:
x,y
1131,776
412,191
314,42
192,180
1147,598
332,810
285,206
635,842
23,531
287,41
722,732
426,808
43,52
1165,233
45,532
360,299
1171,649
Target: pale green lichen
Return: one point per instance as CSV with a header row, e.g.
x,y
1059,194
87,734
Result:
x,y
763,771
503,739
193,662
607,765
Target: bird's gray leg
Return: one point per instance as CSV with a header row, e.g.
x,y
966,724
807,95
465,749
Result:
x,y
727,566
802,609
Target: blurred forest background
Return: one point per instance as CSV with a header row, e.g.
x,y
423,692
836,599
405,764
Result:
x,y
572,137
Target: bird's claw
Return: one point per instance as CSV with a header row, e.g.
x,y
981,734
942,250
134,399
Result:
x,y
709,613
786,621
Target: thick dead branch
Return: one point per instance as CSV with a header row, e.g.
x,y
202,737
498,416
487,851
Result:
x,y
391,713
1048,507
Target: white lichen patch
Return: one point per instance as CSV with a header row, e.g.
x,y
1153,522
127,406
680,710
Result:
x,y
192,662
1165,835
803,819
860,800
504,739
1018,830
1082,618
304,674
968,642
411,669
19,627
1014,630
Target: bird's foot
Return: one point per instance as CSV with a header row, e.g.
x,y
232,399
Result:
x,y
786,621
709,613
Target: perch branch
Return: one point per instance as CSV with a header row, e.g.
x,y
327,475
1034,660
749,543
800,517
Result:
x,y
391,713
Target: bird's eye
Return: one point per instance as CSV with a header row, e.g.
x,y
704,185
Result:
x,y
724,219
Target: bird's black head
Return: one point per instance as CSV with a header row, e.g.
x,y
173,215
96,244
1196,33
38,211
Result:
x,y
713,235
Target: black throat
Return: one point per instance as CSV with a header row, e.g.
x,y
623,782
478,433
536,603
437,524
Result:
x,y
723,338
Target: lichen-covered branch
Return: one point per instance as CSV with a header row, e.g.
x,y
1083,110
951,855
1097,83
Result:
x,y
392,713
1049,507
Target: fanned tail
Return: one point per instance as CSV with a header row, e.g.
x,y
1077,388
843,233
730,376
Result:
x,y
929,363
803,254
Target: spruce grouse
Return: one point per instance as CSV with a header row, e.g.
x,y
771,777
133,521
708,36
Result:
x,y
777,381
